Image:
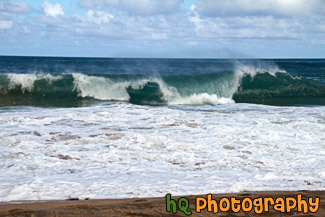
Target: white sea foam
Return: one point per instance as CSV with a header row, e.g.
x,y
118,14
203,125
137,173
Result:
x,y
100,87
26,81
243,69
252,69
105,89
122,150
201,99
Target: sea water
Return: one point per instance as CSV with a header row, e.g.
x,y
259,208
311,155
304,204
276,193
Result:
x,y
122,128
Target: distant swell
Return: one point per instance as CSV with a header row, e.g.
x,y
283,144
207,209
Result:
x,y
245,84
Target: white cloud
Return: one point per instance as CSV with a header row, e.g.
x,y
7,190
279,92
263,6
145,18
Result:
x,y
26,29
15,7
259,7
52,10
98,17
162,24
192,43
158,36
137,7
245,27
5,24
207,28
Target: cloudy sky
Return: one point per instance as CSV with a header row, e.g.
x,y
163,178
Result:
x,y
163,28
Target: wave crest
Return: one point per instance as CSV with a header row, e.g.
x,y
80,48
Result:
x,y
255,83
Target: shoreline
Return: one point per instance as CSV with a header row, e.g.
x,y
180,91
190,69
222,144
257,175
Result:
x,y
147,206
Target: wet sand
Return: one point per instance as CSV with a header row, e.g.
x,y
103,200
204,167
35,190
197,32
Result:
x,y
146,206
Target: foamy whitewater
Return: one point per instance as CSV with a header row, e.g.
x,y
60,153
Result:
x,y
122,150
76,134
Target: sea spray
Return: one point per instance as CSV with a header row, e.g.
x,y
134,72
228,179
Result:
x,y
245,81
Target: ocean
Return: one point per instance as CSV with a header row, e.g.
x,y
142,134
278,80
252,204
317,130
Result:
x,y
124,128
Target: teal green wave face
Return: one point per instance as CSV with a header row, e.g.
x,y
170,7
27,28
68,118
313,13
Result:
x,y
80,90
70,82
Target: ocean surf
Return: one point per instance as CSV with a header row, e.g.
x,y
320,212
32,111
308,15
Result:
x,y
125,128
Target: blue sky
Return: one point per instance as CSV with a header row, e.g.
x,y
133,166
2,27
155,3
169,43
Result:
x,y
163,28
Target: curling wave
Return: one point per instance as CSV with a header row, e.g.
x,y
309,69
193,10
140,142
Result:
x,y
245,84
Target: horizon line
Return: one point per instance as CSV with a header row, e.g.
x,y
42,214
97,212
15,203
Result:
x,y
116,57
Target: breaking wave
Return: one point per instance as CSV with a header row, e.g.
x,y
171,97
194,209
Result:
x,y
261,84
